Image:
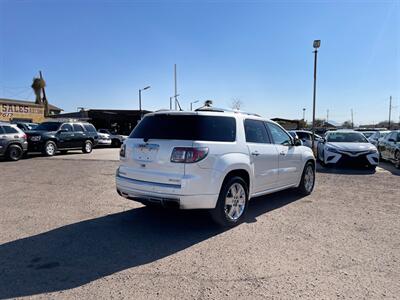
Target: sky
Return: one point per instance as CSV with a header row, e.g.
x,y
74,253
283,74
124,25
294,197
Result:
x,y
98,54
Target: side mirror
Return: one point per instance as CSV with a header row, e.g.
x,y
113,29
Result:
x,y
297,142
391,140
62,131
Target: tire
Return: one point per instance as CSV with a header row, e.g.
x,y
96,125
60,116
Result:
x,y
397,159
321,162
87,147
116,143
14,152
50,148
371,168
227,215
307,182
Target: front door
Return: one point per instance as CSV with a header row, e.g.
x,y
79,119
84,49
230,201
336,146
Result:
x,y
65,136
290,158
263,155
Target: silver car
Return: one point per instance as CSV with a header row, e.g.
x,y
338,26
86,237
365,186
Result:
x,y
13,141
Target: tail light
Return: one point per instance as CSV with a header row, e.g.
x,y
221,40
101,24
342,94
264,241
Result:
x,y
24,136
188,154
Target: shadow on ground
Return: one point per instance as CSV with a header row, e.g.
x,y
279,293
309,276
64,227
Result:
x,y
75,254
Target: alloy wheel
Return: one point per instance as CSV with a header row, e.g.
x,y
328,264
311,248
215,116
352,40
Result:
x,y
309,178
235,201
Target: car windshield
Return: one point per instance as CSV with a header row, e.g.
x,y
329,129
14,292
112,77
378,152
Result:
x,y
49,126
346,137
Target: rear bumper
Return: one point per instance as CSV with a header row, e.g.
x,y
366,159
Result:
x,y
165,194
103,142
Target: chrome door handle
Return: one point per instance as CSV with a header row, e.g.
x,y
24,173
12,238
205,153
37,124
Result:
x,y
255,153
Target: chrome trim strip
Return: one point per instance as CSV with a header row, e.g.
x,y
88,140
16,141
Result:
x,y
149,183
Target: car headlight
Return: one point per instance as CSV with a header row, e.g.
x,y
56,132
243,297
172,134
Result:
x,y
36,138
373,151
331,149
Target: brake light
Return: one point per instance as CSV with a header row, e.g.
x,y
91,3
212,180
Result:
x,y
24,136
122,151
188,154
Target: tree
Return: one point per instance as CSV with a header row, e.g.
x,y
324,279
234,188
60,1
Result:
x,y
236,103
347,124
38,85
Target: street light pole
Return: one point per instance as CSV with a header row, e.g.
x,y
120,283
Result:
x,y
140,99
316,45
191,104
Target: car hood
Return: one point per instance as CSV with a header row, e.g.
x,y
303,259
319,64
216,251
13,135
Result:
x,y
352,146
39,132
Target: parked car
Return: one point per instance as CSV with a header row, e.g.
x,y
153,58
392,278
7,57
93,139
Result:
x,y
211,159
13,142
116,139
104,139
26,126
368,134
347,147
306,137
53,136
377,136
389,148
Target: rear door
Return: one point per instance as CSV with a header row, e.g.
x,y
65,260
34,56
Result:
x,y
79,136
264,155
290,157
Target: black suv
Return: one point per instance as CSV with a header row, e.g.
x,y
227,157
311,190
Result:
x,y
49,137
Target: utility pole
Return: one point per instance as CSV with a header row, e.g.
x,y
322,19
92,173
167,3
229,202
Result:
x,y
352,119
304,114
176,87
44,99
390,110
316,45
327,115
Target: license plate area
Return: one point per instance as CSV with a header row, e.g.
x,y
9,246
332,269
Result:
x,y
145,152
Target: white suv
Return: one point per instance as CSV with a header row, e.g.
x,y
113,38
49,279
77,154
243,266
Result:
x,y
211,159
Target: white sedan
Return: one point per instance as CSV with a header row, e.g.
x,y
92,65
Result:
x,y
104,139
347,148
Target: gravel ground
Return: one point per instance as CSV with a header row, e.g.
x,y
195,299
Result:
x,y
65,233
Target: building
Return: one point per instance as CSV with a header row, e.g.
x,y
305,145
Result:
x,y
20,110
120,121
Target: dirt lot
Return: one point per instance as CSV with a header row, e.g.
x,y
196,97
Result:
x,y
65,233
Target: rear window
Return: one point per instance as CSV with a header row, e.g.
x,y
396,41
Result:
x,y
186,127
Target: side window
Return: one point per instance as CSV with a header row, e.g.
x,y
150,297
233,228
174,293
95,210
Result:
x,y
1,130
256,132
303,135
78,127
9,129
67,127
279,135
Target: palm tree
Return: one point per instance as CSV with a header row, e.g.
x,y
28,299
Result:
x,y
38,85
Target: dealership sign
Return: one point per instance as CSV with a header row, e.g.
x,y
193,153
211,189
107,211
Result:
x,y
8,110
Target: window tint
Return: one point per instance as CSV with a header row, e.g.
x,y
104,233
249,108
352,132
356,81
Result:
x,y
67,127
89,127
78,127
303,135
1,130
256,132
10,129
186,127
279,135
